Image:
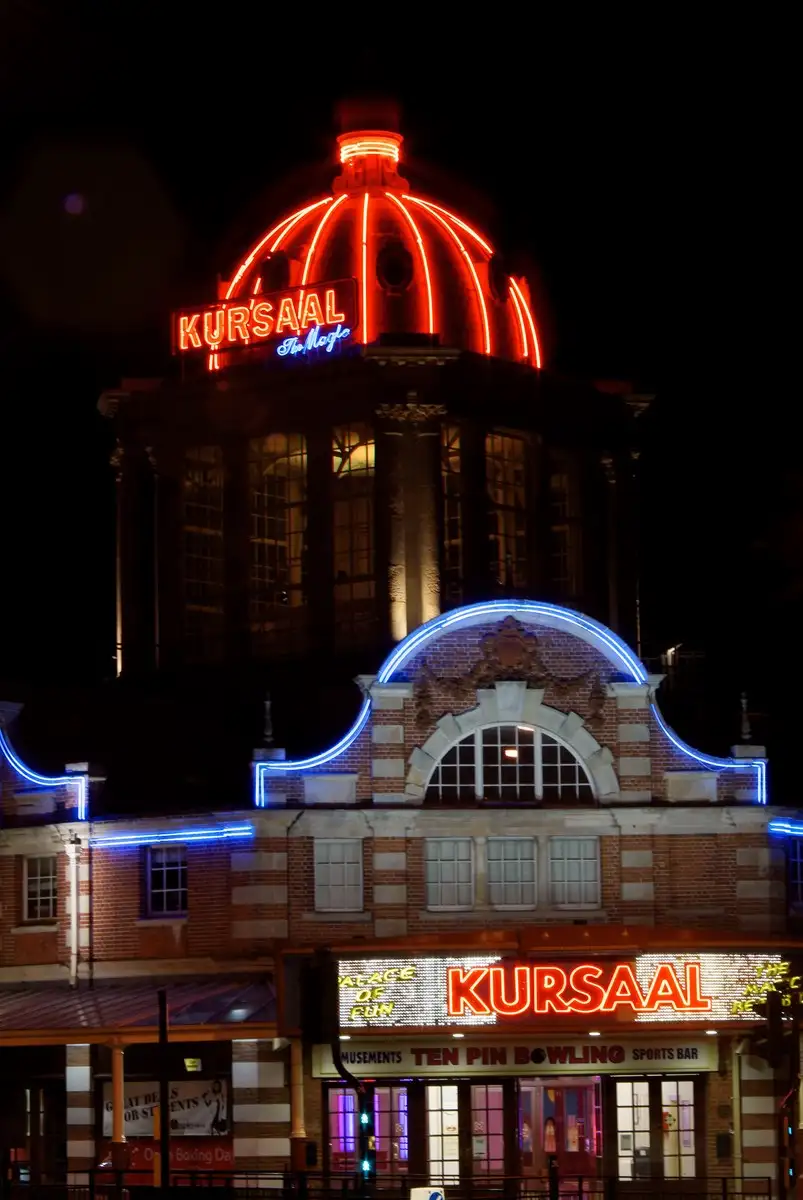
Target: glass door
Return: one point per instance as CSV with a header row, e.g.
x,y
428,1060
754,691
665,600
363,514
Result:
x,y
656,1128
560,1119
443,1134
390,1129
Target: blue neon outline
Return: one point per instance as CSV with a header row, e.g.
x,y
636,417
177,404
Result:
x,y
218,833
759,765
81,782
413,642
786,828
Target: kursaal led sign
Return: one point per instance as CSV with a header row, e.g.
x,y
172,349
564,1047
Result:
x,y
433,992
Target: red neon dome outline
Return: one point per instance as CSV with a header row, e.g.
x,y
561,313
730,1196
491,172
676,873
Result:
x,y
359,151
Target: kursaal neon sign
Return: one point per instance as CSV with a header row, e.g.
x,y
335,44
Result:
x,y
296,321
423,993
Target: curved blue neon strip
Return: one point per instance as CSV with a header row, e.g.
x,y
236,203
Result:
x,y
786,828
758,765
79,781
415,640
215,834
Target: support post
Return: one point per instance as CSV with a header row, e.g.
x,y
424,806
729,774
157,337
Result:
x,y
164,1089
119,1148
298,1132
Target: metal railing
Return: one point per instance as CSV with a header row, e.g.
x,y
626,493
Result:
x,y
105,1184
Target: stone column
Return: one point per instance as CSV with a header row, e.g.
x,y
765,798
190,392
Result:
x,y
612,541
80,1115
260,1106
410,435
390,530
474,513
320,573
135,559
236,549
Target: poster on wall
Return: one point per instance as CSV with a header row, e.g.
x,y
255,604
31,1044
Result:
x,y
198,1108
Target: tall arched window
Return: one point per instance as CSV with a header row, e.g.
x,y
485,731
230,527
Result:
x,y
509,763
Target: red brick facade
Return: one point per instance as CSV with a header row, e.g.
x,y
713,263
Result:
x,y
682,844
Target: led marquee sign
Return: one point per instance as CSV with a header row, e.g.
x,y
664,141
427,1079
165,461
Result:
x,y
426,993
298,319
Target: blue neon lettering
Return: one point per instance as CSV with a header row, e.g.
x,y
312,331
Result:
x,y
315,340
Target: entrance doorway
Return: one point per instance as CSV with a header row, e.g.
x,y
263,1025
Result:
x,y
391,1130
560,1119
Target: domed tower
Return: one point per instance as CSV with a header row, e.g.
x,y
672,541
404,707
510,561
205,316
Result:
x,y
418,267
360,433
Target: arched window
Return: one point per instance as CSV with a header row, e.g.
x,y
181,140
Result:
x,y
509,763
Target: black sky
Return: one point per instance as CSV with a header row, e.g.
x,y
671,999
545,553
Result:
x,y
613,156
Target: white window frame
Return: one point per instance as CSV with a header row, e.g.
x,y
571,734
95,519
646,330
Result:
x,y
54,914
472,858
167,914
537,795
318,844
567,907
512,907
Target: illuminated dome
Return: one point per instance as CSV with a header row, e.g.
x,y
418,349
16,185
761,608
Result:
x,y
420,268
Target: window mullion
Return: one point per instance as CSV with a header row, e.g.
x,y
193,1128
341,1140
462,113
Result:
x,y
479,791
538,765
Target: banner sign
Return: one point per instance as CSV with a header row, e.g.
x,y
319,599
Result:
x,y
294,321
198,1108
479,991
199,1154
557,1056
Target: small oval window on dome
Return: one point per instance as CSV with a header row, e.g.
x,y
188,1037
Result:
x,y
499,278
275,271
394,267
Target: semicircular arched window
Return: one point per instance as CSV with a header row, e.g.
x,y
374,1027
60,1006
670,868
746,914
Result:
x,y
509,763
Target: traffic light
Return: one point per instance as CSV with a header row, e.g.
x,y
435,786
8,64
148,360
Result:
x,y
366,1135
768,1040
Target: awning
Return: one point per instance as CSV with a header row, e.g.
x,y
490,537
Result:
x,y
198,1010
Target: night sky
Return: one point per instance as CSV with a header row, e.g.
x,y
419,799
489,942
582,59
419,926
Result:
x,y
134,165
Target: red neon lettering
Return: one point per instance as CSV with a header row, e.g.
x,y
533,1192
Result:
x,y
237,322
521,999
695,1001
665,989
261,319
623,990
549,984
311,312
461,995
214,326
188,332
333,315
589,996
287,317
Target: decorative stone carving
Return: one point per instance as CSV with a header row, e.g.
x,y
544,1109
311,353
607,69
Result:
x,y
511,653
413,413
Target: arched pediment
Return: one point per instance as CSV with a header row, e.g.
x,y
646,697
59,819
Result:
x,y
513,701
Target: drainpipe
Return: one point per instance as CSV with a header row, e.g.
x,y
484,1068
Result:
x,y
737,1047
72,855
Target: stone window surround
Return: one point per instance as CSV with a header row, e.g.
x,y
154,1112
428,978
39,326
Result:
x,y
513,701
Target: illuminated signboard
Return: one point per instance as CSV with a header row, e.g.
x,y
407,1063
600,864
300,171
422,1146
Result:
x,y
490,991
294,321
426,1056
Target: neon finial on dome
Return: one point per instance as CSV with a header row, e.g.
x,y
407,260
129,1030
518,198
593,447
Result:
x,y
369,143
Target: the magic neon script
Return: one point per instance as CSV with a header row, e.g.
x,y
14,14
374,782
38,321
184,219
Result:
x,y
315,340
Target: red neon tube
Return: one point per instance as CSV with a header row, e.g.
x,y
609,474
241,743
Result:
x,y
423,253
